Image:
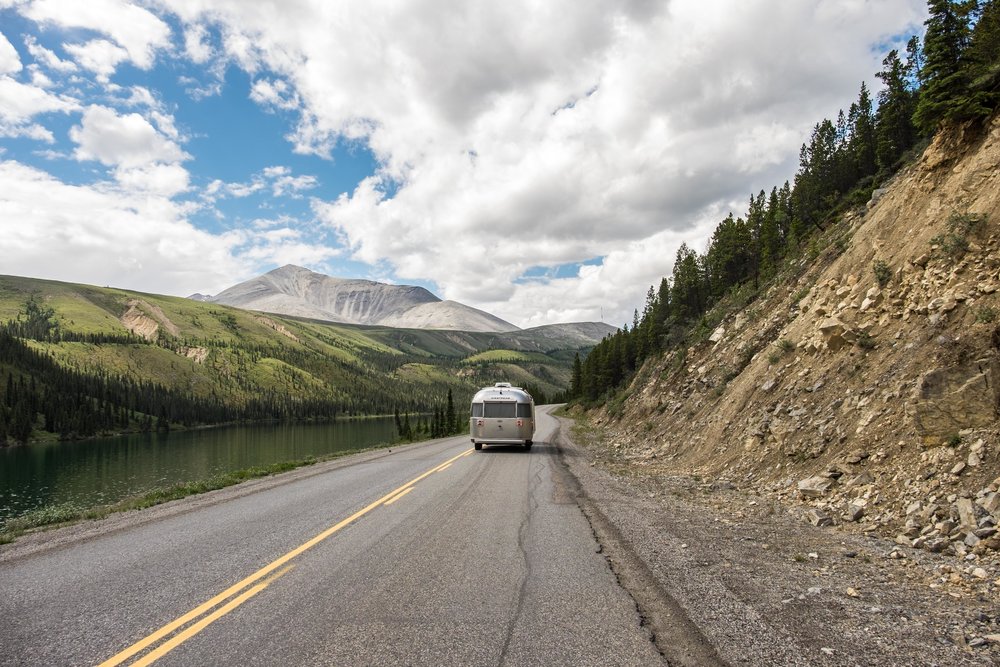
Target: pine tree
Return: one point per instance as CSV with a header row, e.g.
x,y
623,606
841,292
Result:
x,y
576,382
944,91
894,131
863,135
983,56
451,417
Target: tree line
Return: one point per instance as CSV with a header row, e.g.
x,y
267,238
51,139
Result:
x,y
952,77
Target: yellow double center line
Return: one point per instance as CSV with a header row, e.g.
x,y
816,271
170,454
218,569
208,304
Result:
x,y
247,588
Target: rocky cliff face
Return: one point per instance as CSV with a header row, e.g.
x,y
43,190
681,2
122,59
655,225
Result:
x,y
865,387
293,290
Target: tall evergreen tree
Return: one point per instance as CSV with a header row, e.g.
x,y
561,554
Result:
x,y
983,56
894,131
944,93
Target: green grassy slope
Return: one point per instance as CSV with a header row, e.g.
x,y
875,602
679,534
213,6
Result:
x,y
208,352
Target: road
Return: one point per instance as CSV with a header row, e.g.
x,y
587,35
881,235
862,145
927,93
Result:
x,y
432,554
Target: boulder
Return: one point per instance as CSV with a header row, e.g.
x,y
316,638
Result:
x,y
815,487
947,400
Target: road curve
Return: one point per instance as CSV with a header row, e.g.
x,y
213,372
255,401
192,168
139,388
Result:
x,y
431,555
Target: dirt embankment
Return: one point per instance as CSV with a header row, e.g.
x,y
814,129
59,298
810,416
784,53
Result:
x,y
863,391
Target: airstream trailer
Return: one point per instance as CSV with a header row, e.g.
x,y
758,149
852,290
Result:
x,y
502,415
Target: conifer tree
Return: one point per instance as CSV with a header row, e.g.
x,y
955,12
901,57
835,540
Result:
x,y
943,77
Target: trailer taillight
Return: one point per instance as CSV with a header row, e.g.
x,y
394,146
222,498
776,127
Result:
x,y
520,422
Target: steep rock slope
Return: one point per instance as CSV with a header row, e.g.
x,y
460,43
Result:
x,y
293,290
871,404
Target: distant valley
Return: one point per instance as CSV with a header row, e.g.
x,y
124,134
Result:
x,y
80,360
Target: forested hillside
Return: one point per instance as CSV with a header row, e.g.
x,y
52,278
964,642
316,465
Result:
x,y
858,385
951,81
77,361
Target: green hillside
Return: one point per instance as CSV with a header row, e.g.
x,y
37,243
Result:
x,y
79,360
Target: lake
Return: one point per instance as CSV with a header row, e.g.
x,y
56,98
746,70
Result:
x,y
97,472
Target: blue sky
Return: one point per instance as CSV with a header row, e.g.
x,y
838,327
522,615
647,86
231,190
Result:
x,y
542,163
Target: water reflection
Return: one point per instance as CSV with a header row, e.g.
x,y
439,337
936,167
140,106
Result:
x,y
94,472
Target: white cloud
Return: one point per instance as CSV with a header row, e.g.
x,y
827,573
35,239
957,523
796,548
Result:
x,y
195,44
106,237
99,56
275,93
112,235
509,135
547,135
165,180
10,62
22,101
122,140
47,57
278,179
138,31
28,130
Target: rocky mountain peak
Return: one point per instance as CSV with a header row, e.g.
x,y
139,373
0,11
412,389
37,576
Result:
x,y
297,291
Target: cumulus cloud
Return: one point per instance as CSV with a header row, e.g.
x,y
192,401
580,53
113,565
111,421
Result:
x,y
133,237
22,102
107,236
99,56
195,44
277,94
550,135
10,62
47,57
127,140
511,138
138,32
278,179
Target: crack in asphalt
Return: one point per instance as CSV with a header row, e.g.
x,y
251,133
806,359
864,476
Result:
x,y
522,532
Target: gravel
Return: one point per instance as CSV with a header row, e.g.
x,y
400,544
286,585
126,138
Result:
x,y
726,577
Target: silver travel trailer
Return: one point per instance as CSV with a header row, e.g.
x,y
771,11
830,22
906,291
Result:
x,y
502,415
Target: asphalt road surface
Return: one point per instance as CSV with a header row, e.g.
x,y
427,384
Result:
x,y
433,554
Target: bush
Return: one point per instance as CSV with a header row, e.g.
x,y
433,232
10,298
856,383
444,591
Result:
x,y
955,241
882,272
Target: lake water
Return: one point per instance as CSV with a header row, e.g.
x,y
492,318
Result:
x,y
96,472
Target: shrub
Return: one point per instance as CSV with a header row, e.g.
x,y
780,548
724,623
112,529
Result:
x,y
882,272
986,315
955,241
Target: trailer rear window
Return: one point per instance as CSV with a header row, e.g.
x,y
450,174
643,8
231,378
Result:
x,y
524,410
498,410
477,409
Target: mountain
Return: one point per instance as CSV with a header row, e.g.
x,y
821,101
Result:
x,y
293,290
80,360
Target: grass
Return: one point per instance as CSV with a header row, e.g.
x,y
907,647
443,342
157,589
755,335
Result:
x,y
493,356
68,513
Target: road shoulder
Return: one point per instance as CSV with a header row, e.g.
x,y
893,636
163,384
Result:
x,y
724,576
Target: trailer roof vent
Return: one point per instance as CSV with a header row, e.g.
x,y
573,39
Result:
x,y
503,385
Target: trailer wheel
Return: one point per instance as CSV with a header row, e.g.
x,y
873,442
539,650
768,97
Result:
x,y
528,444
477,445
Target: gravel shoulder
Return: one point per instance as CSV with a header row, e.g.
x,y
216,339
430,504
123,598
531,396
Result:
x,y
725,576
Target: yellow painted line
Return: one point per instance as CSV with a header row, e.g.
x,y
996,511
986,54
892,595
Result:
x,y
206,606
179,639
398,495
445,467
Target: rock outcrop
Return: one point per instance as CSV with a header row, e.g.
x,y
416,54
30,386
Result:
x,y
865,386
